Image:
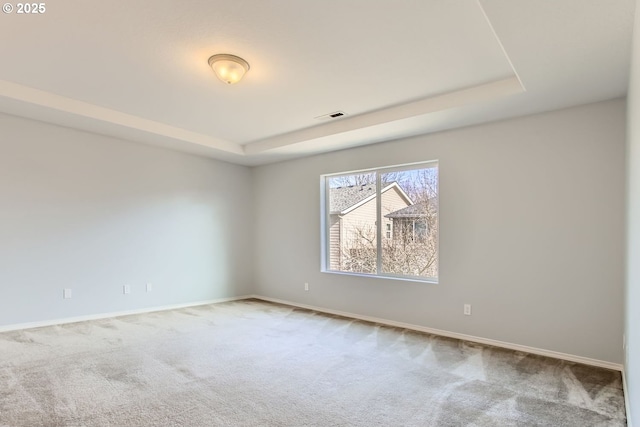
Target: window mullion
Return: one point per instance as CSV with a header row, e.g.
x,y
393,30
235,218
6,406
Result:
x,y
325,210
378,223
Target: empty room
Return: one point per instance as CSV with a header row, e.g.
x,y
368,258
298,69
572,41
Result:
x,y
337,213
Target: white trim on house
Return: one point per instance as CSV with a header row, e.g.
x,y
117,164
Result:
x,y
53,322
496,343
374,195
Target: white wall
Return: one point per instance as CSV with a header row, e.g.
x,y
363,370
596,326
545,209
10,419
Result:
x,y
93,213
632,323
531,232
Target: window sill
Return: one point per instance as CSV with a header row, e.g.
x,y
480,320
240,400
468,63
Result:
x,y
387,277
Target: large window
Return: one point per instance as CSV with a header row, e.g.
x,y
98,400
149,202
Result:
x,y
382,222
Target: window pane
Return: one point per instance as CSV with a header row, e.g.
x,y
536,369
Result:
x,y
389,231
352,229
409,201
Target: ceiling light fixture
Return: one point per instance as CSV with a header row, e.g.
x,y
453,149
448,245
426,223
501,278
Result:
x,y
228,68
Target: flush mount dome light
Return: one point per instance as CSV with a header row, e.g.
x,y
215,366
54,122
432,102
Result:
x,y
228,68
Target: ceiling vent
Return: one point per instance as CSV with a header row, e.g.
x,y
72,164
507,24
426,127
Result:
x,y
331,116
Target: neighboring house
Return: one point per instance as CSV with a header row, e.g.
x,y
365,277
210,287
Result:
x,y
410,223
352,218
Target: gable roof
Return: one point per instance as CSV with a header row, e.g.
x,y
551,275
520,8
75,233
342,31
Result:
x,y
344,199
413,211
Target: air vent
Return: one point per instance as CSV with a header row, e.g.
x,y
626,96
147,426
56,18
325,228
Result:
x,y
332,116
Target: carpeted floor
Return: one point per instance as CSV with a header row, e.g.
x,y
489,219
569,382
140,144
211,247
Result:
x,y
252,363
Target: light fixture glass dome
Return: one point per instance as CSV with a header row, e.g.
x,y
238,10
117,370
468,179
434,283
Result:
x,y
229,68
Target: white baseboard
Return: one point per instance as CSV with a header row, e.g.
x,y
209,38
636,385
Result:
x,y
511,346
627,403
496,343
31,325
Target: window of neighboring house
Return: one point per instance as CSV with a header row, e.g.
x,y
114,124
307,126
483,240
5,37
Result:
x,y
420,230
382,222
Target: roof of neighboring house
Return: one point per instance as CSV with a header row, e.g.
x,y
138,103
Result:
x,y
413,211
343,199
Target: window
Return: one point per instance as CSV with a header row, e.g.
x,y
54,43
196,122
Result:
x,y
382,222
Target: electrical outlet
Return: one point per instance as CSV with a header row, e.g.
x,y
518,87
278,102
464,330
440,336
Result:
x,y
149,287
66,293
126,289
306,286
467,309
624,342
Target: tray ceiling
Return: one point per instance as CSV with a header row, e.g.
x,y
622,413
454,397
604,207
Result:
x,y
138,70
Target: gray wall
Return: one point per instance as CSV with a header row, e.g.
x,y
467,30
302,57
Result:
x,y
632,324
531,232
93,213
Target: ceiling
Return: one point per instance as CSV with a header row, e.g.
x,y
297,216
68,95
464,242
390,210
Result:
x,y
138,70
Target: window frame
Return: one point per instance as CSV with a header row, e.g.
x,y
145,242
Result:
x,y
325,221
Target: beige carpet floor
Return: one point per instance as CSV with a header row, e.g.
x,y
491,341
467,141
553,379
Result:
x,y
252,363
